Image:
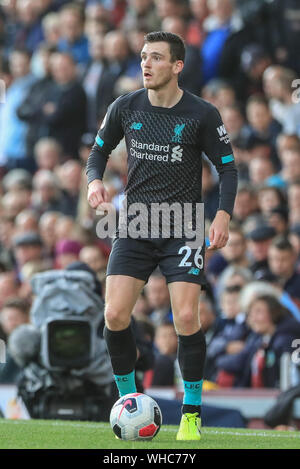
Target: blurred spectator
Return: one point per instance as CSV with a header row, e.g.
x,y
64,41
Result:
x,y
247,147
272,91
6,235
73,40
47,153
8,287
94,257
27,247
86,144
261,123
14,202
260,169
221,22
286,35
233,276
98,83
294,239
191,76
165,8
259,243
5,75
269,198
66,252
254,61
257,288
233,254
245,203
282,262
65,228
65,107
195,32
124,63
166,344
47,231
51,29
231,339
17,180
27,220
31,109
294,202
284,93
12,130
291,165
141,13
279,219
157,294
141,310
46,194
98,20
117,52
70,183
211,324
132,79
235,250
219,93
258,364
14,312
287,142
290,169
30,31
233,119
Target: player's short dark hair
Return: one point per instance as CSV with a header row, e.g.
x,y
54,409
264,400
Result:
x,y
177,47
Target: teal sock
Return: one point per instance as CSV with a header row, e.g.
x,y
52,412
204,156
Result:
x,y
192,392
126,383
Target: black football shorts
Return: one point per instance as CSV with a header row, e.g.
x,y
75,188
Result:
x,y
138,258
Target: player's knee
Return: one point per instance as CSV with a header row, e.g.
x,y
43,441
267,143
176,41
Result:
x,y
187,321
115,319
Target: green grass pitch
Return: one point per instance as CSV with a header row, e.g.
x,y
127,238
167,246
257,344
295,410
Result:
x,y
58,434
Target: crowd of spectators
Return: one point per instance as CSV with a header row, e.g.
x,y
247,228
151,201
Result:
x,y
61,64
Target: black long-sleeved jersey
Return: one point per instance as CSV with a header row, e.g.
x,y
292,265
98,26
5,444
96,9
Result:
x,y
165,147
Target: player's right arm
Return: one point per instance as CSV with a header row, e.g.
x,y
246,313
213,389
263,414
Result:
x,y
108,137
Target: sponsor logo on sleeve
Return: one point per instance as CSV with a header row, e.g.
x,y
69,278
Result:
x,y
223,136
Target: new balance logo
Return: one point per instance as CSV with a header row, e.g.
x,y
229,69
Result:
x,y
194,271
176,154
136,126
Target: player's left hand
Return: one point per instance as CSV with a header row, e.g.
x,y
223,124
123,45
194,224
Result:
x,y
219,230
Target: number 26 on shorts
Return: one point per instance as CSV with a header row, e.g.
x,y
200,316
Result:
x,y
186,262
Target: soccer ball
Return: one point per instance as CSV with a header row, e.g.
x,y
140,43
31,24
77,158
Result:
x,y
135,417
